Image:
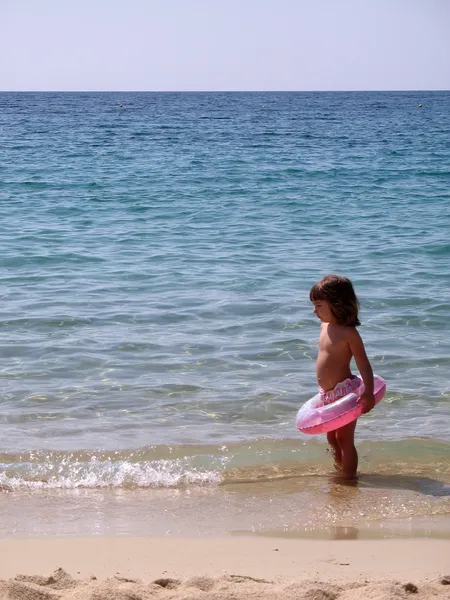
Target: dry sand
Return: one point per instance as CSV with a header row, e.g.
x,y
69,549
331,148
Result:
x,y
224,568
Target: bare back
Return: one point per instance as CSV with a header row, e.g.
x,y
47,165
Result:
x,y
333,359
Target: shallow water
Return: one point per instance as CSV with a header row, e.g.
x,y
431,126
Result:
x,y
380,505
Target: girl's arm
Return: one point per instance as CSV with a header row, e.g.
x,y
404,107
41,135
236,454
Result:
x,y
364,367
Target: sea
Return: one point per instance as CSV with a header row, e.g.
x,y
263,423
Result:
x,y
156,333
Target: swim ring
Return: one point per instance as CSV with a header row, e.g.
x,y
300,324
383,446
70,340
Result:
x,y
315,418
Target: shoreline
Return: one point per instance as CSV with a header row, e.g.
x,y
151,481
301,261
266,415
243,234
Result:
x,y
256,556
219,567
307,508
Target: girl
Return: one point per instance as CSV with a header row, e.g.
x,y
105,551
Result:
x,y
336,305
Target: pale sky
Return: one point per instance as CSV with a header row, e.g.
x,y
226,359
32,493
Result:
x,y
224,45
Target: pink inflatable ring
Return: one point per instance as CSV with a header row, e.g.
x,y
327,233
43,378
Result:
x,y
314,417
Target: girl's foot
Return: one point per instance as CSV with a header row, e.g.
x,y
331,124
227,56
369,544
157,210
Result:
x,y
337,465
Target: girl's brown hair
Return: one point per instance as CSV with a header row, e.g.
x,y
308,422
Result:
x,y
340,295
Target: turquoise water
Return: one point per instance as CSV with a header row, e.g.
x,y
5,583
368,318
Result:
x,y
155,263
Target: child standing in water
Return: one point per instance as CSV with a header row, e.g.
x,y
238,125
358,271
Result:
x,y
336,305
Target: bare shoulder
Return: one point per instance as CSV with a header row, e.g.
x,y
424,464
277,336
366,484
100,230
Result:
x,y
354,340
338,333
351,334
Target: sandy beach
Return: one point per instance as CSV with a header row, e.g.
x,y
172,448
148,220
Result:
x,y
222,568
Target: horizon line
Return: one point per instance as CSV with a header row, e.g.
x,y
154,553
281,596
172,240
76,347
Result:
x,y
231,91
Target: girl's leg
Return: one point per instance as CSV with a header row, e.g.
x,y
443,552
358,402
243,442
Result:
x,y
345,437
335,449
